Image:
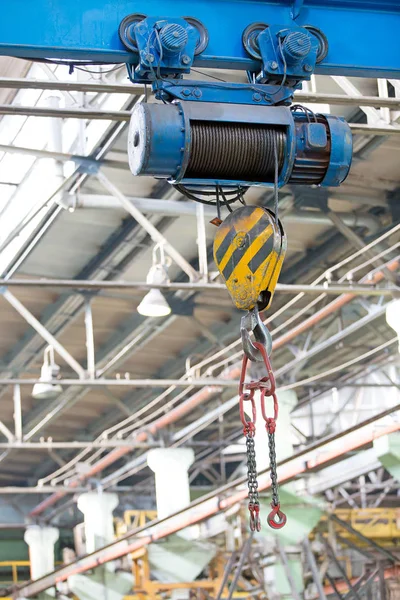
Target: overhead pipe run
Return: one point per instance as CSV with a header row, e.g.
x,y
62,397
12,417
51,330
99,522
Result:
x,y
205,394
136,89
141,383
212,504
176,209
283,288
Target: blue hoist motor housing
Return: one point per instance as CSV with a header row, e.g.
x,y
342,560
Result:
x,y
205,143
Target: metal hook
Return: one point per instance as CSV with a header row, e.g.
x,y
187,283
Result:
x,y
251,322
276,518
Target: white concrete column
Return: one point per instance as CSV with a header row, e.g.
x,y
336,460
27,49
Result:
x,y
171,466
284,448
41,542
97,508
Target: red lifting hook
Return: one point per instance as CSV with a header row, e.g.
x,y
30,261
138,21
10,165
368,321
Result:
x,y
276,512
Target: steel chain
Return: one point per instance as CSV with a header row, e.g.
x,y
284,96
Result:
x,y
252,483
273,472
266,385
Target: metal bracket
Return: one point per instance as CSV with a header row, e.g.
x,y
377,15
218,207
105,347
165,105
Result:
x,y
238,93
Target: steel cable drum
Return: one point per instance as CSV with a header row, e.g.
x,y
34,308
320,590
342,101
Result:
x,y
232,151
205,143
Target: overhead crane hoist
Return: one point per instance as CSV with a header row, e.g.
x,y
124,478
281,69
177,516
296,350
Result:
x,y
211,138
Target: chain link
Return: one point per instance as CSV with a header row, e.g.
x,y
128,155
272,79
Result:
x,y
252,483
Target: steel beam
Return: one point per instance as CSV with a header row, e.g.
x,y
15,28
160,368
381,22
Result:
x,y
64,157
365,540
90,87
339,567
153,232
46,489
358,243
288,571
363,129
89,333
136,89
125,115
6,432
344,100
86,31
325,345
65,113
333,586
92,284
113,443
17,413
174,208
42,331
314,569
349,87
144,383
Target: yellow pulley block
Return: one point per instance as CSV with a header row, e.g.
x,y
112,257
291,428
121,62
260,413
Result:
x,y
249,249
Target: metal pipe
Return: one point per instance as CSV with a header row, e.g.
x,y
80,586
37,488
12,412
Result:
x,y
356,241
314,569
53,445
330,308
283,288
173,415
45,489
92,284
6,432
65,113
347,100
144,383
137,90
50,444
71,86
89,332
174,208
245,551
330,551
155,235
201,241
198,511
17,412
342,586
225,576
288,571
42,331
207,393
362,129
125,115
64,157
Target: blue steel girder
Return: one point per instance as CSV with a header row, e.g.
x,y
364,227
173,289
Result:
x,y
362,34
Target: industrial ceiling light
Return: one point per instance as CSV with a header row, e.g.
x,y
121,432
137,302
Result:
x,y
154,304
393,317
45,389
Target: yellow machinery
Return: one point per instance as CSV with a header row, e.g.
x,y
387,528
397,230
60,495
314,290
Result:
x,y
379,524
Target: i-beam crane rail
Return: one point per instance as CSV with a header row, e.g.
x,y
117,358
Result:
x,y
362,34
